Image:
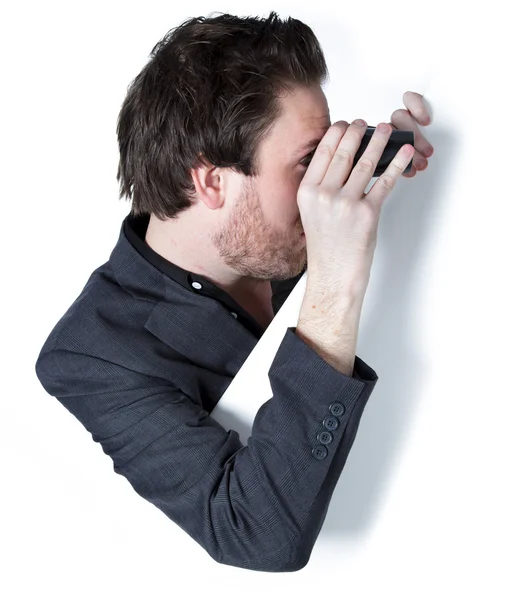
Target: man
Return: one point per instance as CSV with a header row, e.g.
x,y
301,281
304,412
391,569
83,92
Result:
x,y
215,135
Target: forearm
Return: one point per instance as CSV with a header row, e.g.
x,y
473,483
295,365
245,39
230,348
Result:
x,y
329,324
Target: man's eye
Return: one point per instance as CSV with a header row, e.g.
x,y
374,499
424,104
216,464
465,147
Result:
x,y
307,159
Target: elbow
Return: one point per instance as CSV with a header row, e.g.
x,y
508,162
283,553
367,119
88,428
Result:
x,y
300,560
288,558
256,564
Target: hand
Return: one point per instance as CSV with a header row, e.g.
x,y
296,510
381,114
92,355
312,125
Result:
x,y
407,120
339,220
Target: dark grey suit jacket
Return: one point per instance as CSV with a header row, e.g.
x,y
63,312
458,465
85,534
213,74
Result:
x,y
141,361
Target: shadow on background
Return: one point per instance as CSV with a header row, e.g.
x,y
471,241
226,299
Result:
x,y
407,215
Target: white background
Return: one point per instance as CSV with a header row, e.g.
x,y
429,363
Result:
x,y
422,509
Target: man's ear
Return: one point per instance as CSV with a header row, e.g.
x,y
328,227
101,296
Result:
x,y
209,183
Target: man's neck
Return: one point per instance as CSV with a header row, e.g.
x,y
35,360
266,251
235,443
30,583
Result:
x,y
255,296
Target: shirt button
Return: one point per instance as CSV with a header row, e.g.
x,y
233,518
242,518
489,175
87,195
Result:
x,y
197,285
319,452
235,315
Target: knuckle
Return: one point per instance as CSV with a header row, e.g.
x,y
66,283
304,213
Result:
x,y
324,149
387,181
396,168
342,155
326,194
393,171
365,164
305,191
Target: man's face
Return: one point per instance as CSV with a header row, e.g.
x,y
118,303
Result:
x,y
263,234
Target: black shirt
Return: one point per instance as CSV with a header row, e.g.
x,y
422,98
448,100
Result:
x,y
135,227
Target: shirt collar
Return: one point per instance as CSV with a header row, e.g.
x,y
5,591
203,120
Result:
x,y
135,227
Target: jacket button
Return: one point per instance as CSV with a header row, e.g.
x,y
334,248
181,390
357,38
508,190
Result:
x,y
319,452
337,409
324,437
331,423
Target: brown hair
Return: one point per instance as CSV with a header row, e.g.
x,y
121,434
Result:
x,y
211,88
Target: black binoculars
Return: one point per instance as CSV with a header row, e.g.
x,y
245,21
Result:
x,y
395,142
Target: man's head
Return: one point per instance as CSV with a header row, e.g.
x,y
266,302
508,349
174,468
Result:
x,y
211,135
255,222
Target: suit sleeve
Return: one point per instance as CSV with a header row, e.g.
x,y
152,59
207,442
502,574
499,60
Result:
x,y
259,506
